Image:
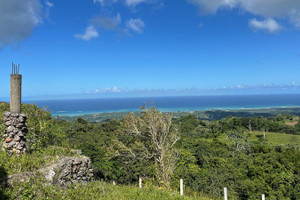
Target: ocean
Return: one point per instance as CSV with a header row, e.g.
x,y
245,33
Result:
x,y
77,107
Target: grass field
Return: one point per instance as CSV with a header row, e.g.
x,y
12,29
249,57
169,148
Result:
x,y
35,189
270,138
275,138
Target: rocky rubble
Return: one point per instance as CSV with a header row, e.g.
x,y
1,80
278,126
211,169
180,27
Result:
x,y
63,172
69,170
14,139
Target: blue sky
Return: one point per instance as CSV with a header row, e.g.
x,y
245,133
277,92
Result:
x,y
105,48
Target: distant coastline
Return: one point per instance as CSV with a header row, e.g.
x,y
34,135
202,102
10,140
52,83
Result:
x,y
209,115
174,110
79,107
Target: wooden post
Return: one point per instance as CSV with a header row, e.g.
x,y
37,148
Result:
x,y
225,194
140,182
181,187
263,197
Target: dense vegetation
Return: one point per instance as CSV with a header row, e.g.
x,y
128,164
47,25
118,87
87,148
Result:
x,y
248,155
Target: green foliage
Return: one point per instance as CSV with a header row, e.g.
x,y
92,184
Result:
x,y
3,108
210,165
31,161
211,156
35,189
248,155
43,130
189,123
96,141
187,169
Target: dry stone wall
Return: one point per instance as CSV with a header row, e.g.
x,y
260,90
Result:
x,y
62,172
14,138
69,170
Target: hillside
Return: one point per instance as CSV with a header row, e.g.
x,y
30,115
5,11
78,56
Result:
x,y
248,155
29,183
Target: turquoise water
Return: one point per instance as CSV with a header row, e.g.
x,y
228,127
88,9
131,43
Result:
x,y
190,103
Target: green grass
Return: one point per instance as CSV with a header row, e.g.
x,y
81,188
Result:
x,y
275,138
31,161
271,138
35,189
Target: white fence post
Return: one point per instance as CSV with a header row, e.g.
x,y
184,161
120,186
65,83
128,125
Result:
x,y
140,182
263,197
181,187
225,194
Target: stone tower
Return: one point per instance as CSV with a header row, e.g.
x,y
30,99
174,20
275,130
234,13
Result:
x,y
15,121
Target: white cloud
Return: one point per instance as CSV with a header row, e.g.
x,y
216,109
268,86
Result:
x,y
293,85
18,19
114,89
270,8
108,23
134,2
90,33
129,3
100,1
261,88
112,24
269,25
295,18
266,8
211,6
240,86
105,2
136,25
49,4
97,91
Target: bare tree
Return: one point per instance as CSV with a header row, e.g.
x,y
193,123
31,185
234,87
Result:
x,y
250,128
157,136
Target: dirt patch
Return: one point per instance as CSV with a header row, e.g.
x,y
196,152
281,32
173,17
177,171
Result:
x,y
291,123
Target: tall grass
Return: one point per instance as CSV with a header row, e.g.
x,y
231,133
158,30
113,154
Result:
x,y
31,161
35,189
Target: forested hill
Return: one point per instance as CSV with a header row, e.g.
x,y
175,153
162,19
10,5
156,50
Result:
x,y
209,115
248,155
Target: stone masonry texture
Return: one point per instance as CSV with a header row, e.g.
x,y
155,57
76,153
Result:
x,y
14,138
69,170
